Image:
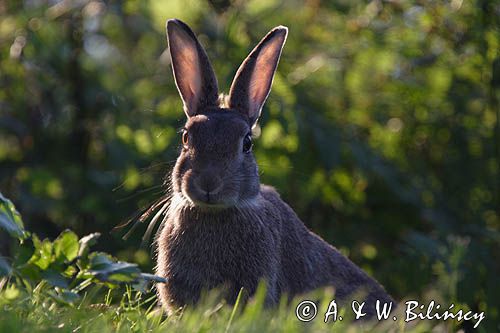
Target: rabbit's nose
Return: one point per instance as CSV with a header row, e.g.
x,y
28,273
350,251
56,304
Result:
x,y
209,184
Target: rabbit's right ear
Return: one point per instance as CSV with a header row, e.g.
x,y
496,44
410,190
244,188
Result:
x,y
254,78
193,73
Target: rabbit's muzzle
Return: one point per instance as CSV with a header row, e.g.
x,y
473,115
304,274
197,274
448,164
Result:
x,y
208,186
206,189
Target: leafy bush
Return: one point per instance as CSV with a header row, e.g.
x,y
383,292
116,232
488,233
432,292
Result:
x,y
62,269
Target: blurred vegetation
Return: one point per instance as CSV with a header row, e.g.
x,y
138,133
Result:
x,y
62,270
382,130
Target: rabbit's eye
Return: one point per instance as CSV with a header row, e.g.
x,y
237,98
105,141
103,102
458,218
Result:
x,y
185,138
247,143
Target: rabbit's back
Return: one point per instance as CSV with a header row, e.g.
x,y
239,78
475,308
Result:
x,y
307,262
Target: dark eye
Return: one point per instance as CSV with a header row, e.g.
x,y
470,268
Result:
x,y
185,137
247,143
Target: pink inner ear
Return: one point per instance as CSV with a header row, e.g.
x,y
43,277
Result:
x,y
262,76
187,68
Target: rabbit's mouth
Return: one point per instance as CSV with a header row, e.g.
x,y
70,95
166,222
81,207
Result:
x,y
210,206
208,201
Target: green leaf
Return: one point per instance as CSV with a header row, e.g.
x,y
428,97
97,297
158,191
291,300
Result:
x,y
143,284
105,269
23,252
42,257
86,242
55,278
66,246
153,278
29,271
10,219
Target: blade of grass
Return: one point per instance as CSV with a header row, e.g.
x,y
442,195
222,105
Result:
x,y
235,308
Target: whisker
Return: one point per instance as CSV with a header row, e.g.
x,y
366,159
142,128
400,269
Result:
x,y
139,192
146,169
147,235
153,207
126,223
158,164
131,230
139,217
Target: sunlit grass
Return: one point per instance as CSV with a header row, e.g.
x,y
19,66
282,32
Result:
x,y
132,311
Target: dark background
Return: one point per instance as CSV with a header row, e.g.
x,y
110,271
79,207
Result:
x,y
381,131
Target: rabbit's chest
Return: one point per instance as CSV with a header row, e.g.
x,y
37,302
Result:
x,y
219,251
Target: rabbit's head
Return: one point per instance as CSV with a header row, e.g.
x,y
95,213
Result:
x,y
216,167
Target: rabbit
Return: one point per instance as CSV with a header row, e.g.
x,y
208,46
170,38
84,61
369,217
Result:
x,y
223,228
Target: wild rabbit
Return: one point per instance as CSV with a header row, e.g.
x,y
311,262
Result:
x,y
222,227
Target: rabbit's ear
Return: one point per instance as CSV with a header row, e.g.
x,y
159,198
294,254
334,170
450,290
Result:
x,y
254,78
193,73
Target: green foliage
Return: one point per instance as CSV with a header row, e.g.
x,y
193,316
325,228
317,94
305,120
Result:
x,y
10,220
382,130
65,268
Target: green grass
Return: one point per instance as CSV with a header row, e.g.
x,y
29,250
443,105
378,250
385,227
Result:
x,y
130,311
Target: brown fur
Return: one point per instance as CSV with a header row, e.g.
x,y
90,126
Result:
x,y
222,227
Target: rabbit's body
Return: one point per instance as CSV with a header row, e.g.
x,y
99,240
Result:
x,y
223,228
240,247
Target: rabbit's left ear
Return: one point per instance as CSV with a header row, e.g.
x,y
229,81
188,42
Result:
x,y
193,73
254,78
